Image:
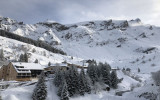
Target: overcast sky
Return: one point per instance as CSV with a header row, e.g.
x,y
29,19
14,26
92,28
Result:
x,y
72,11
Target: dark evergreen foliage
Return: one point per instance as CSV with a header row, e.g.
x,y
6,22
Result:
x,y
64,93
49,64
114,79
36,61
92,72
1,54
105,71
40,92
58,78
23,57
81,83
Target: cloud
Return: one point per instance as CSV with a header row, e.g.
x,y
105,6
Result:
x,y
72,11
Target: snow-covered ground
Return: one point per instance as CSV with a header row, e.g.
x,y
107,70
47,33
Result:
x,y
122,44
24,91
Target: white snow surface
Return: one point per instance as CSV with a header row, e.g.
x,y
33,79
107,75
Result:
x,y
111,41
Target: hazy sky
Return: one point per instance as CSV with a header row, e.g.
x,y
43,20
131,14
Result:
x,y
72,11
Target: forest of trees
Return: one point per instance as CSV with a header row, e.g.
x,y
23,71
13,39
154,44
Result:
x,y
30,41
96,78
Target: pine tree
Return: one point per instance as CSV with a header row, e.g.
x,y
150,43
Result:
x,y
1,54
105,71
82,80
40,92
91,70
69,77
25,57
49,63
21,58
58,78
72,81
36,61
64,94
75,80
61,85
114,79
87,82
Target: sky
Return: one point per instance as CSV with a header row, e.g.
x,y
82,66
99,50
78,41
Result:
x,y
73,11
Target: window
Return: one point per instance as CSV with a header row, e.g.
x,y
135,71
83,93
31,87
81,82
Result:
x,y
19,66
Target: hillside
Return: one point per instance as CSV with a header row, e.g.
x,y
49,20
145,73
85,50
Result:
x,y
121,43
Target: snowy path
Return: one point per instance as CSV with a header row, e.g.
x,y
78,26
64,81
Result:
x,y
51,91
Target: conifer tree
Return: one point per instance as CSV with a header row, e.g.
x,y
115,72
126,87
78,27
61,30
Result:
x,y
64,93
40,92
1,54
114,79
60,88
58,78
36,61
25,57
87,83
82,80
72,81
91,70
75,80
21,58
49,63
105,71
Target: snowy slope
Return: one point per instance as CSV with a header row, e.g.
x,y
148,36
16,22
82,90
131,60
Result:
x,y
13,49
121,43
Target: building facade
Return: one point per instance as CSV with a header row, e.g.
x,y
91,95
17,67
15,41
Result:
x,y
20,71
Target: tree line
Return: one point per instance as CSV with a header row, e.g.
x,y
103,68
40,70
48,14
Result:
x,y
31,41
96,78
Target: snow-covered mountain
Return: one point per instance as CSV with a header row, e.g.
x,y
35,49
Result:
x,y
121,43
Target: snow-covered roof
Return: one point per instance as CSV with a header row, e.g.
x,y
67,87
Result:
x,y
59,64
26,67
83,64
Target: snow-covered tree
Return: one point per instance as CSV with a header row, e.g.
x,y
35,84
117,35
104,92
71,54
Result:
x,y
105,72
75,79
36,61
21,58
92,72
49,63
87,83
82,80
40,92
58,78
114,79
25,57
72,81
60,88
64,93
1,54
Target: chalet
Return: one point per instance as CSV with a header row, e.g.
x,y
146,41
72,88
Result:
x,y
52,68
20,71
